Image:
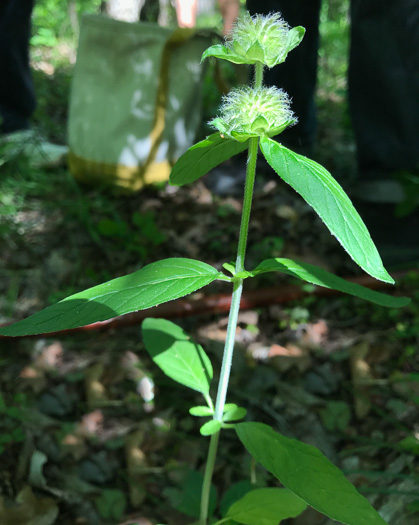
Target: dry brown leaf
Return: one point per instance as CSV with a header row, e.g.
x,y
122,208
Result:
x,y
136,462
314,334
361,378
91,423
95,390
285,357
29,510
50,356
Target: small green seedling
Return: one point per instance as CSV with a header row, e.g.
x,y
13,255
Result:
x,y
249,118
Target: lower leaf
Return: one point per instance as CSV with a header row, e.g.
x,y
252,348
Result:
x,y
267,506
306,472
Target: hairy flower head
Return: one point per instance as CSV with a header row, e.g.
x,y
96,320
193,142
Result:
x,y
251,112
260,38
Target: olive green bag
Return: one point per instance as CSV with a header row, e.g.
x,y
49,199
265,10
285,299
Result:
x,y
135,100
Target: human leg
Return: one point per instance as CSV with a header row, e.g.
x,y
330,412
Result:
x,y
384,84
17,94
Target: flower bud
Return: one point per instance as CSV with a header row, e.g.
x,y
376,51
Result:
x,y
259,38
252,112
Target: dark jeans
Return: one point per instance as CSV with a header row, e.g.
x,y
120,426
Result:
x,y
383,78
17,94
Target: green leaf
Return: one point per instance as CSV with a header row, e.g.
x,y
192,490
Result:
x,y
203,157
305,471
295,36
111,504
234,414
320,190
154,284
410,444
235,492
177,354
188,499
313,274
201,411
268,506
220,51
210,428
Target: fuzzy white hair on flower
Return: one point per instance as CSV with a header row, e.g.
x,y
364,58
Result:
x,y
260,38
251,112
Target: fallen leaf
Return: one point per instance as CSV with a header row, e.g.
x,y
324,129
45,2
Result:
x,y
29,510
361,378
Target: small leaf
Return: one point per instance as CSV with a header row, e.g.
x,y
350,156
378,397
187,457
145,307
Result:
x,y
267,506
111,504
256,52
410,444
313,274
234,414
220,51
201,411
211,427
176,354
295,36
154,284
320,190
203,157
305,471
230,267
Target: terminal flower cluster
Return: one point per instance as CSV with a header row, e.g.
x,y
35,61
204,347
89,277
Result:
x,y
252,112
260,38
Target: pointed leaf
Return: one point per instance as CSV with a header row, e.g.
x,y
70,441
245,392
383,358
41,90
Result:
x,y
177,354
320,190
220,51
210,428
295,36
267,506
154,284
256,52
305,471
313,274
203,157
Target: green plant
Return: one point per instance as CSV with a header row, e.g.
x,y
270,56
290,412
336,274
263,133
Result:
x,y
249,118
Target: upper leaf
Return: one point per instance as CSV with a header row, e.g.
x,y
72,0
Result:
x,y
266,506
219,51
203,157
177,354
313,274
154,284
304,470
320,190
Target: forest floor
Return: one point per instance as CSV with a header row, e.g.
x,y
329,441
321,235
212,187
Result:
x,y
79,435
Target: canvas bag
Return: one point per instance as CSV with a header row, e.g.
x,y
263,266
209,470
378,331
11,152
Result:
x,y
135,100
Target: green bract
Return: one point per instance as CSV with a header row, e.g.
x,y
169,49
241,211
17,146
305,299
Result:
x,y
252,112
259,38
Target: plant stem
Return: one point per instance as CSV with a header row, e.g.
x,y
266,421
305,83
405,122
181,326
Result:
x,y
206,486
232,325
258,74
234,311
